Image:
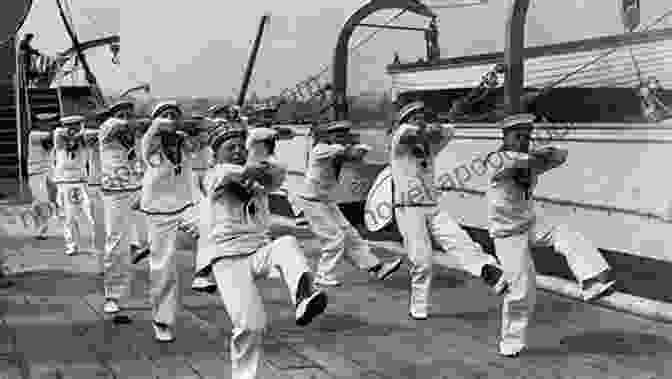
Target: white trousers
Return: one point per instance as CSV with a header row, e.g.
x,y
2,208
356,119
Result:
x,y
514,252
75,202
420,226
41,210
243,300
119,223
339,239
138,232
163,275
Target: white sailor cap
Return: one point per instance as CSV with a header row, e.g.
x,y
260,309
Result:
x,y
163,106
110,125
407,110
223,132
261,134
163,121
217,109
219,120
72,120
337,126
121,104
520,120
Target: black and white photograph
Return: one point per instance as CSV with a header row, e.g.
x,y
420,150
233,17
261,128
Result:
x,y
374,189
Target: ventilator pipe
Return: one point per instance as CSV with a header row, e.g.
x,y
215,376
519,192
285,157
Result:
x,y
340,65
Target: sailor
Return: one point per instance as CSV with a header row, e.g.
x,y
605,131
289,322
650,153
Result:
x,y
226,112
167,110
339,239
260,145
218,111
239,248
166,194
413,150
516,227
121,182
189,218
43,189
69,175
137,233
192,222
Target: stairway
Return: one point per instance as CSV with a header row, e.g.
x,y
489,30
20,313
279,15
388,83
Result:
x,y
9,148
43,101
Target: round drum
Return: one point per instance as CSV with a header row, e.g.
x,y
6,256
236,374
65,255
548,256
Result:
x,y
378,211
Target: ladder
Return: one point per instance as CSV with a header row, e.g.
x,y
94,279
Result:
x,y
42,101
9,147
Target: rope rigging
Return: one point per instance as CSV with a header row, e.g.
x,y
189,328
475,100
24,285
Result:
x,y
51,68
311,89
647,89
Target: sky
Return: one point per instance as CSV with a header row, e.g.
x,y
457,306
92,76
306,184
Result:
x,y
200,48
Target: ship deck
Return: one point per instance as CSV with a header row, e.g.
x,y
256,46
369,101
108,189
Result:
x,y
53,327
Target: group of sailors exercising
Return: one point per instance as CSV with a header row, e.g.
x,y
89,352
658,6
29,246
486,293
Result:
x,y
212,180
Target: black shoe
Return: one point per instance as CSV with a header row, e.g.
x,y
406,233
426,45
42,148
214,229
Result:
x,y
493,276
512,355
310,307
121,319
163,332
139,255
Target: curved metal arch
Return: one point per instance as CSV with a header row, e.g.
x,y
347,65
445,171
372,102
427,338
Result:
x,y
340,63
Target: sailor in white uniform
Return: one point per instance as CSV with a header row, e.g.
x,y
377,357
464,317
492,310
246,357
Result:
x,y
516,227
413,150
192,222
44,191
138,237
188,220
260,144
240,250
121,182
166,110
70,176
339,239
166,194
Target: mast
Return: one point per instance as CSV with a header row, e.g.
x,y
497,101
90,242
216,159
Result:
x,y
253,58
90,77
513,56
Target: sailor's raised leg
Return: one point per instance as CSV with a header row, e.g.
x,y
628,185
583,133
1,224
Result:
x,y
585,261
457,246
